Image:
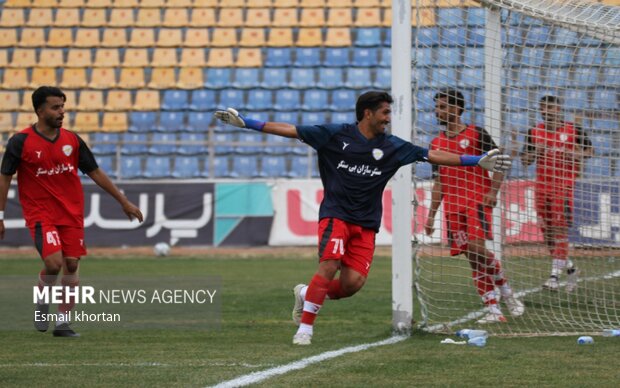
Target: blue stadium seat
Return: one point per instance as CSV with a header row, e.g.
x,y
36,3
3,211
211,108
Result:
x,y
175,100
589,56
478,99
612,58
245,166
245,77
278,145
605,99
274,78
387,38
286,117
198,121
602,143
424,100
311,118
163,144
476,16
472,77
342,117
476,37
423,170
422,76
528,76
142,121
605,125
427,36
386,57
253,140
358,78
518,121
612,76
218,78
192,143
367,37
299,167
448,56
337,57
517,99
443,76
302,78
585,76
383,78
428,122
560,57
219,140
453,36
279,57
157,167
366,57
203,100
564,37
537,36
259,99
424,57
531,56
512,36
111,143
330,77
575,99
232,98
307,57
597,167
106,163
186,167
342,99
474,56
221,167
171,122
557,77
130,167
314,99
273,166
452,16
133,143
287,99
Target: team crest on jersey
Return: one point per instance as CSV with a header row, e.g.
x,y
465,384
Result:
x,y
377,153
67,149
563,137
464,143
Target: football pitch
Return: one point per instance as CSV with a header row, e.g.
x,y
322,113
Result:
x,y
255,331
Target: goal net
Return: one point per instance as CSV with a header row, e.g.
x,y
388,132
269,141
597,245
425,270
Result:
x,y
551,65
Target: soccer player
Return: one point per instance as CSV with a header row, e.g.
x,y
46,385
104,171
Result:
x,y
469,195
558,147
355,162
46,158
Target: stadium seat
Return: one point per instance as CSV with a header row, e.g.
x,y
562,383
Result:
x,y
330,78
94,17
133,143
337,57
589,56
203,100
258,17
100,78
164,57
194,37
123,17
252,37
287,99
53,58
443,76
449,17
315,117
67,17
32,37
106,163
424,100
221,167
147,17
186,167
175,17
312,17
278,57
476,16
557,78
192,144
224,37
202,16
611,75
231,98
368,17
193,57
342,99
76,57
314,99
115,37
114,122
218,78
368,37
198,121
9,101
575,99
597,167
472,77
90,100
338,37
453,36
585,76
309,37
301,167
423,171
220,57
162,144
446,56
142,121
245,166
427,36
136,57
302,78
366,57
86,122
157,167
13,17
280,37
518,121
252,140
274,78
259,100
245,78
386,57
107,57
528,76
307,57
230,17
222,140
512,36
8,37
609,125
24,57
118,100
172,37
383,78
560,57
537,36
175,100
612,58
602,143
162,78
517,99
342,117
130,167
606,99
285,17
104,143
132,78
171,121
273,167
285,117
358,78
428,122
564,37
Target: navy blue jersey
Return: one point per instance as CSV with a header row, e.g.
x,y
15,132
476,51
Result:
x,y
355,170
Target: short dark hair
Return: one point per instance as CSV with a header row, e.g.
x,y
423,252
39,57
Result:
x,y
371,100
454,97
550,99
42,93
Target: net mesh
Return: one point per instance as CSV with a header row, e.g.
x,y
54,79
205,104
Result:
x,y
566,49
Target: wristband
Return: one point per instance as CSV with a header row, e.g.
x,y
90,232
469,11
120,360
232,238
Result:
x,y
470,160
1,215
256,125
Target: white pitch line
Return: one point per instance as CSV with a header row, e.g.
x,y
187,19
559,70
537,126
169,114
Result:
x,y
256,377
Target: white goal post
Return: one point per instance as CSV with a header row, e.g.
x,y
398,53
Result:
x,y
504,56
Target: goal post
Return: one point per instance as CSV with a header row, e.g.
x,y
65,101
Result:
x,y
505,56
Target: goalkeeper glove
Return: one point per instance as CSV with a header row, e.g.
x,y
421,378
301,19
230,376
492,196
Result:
x,y
492,161
232,117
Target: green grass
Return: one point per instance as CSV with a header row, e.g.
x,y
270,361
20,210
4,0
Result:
x,y
255,334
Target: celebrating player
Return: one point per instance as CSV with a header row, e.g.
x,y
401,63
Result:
x,y
469,195
355,162
558,147
46,158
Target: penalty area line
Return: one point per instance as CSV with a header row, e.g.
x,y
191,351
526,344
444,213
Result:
x,y
256,377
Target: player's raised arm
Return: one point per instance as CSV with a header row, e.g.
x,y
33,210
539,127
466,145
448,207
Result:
x,y
232,117
492,160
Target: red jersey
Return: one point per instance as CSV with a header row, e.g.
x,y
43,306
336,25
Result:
x,y
49,187
460,185
555,167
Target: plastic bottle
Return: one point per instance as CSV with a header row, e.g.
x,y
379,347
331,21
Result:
x,y
611,333
477,341
471,333
585,340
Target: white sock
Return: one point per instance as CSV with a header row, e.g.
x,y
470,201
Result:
x,y
302,293
557,266
304,328
505,290
494,309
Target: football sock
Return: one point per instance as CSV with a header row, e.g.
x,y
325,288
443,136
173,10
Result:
x,y
485,287
557,266
45,280
334,291
71,282
494,269
315,296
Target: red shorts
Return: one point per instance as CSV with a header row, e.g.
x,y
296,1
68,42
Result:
x,y
352,244
473,223
49,239
554,208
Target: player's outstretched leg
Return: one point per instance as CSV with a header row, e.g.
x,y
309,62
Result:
x,y
315,296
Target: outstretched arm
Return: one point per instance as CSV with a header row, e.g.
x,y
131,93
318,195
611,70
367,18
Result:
x,y
492,160
103,181
232,117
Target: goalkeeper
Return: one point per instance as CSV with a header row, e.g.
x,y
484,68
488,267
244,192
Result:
x,y
355,162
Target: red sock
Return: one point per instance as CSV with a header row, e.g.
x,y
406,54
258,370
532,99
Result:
x,y
334,291
485,287
494,269
315,296
72,282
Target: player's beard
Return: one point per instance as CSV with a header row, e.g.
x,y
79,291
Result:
x,y
54,122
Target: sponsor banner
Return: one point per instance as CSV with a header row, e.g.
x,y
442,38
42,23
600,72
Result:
x,y
597,214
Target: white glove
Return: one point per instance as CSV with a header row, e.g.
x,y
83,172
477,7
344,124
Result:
x,y
494,161
230,116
